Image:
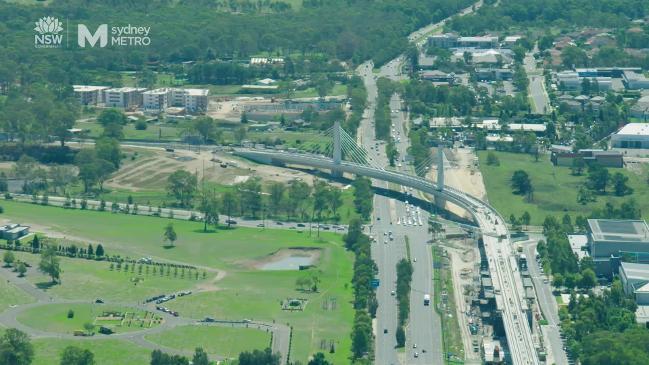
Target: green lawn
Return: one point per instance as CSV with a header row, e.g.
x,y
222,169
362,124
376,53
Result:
x,y
338,89
54,318
555,188
243,293
89,280
107,352
165,132
10,295
224,341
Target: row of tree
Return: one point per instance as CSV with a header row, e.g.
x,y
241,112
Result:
x,y
365,302
404,279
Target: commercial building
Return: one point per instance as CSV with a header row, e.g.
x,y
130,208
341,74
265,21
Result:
x,y
564,156
632,135
438,76
124,97
13,231
635,280
478,42
494,74
572,81
89,95
449,40
635,81
511,40
610,239
446,40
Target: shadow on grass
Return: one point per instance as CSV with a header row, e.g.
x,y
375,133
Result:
x,y
45,285
167,247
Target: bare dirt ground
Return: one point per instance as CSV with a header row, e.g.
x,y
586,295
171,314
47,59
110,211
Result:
x,y
151,171
462,173
464,264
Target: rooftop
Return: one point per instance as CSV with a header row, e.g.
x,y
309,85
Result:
x,y
639,129
125,89
82,88
635,271
197,92
157,91
577,244
619,230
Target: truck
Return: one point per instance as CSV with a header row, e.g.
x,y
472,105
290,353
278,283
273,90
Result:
x,y
426,299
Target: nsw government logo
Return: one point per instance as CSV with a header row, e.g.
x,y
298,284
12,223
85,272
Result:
x,y
48,29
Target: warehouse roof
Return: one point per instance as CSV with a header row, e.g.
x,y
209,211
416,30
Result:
x,y
619,230
637,129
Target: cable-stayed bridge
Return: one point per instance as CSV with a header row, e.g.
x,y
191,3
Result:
x,y
343,155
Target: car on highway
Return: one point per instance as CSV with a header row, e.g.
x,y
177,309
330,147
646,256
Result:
x,y
230,221
260,225
392,293
301,225
416,354
385,330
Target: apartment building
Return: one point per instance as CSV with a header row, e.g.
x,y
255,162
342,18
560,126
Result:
x,y
89,94
124,97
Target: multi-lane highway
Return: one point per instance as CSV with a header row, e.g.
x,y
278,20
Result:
x,y
538,94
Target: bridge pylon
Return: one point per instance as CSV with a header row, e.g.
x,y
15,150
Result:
x,y
439,200
337,149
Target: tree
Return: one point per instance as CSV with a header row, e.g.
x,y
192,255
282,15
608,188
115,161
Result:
x,y
526,218
335,199
62,176
15,348
250,196
22,269
160,358
434,227
319,359
60,120
588,279
598,178
585,196
277,190
492,159
170,234
100,251
73,355
36,244
8,258
619,182
228,202
401,337
182,185
298,194
577,166
521,182
113,121
244,118
240,134
109,149
205,127
49,263
363,196
200,357
258,357
209,206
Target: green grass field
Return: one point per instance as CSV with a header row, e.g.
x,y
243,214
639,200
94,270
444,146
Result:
x,y
243,293
555,188
89,280
225,341
10,295
107,352
53,318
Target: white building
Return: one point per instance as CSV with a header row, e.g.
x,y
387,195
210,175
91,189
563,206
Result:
x,y
570,80
192,100
89,95
124,97
634,80
155,101
632,135
609,240
635,279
